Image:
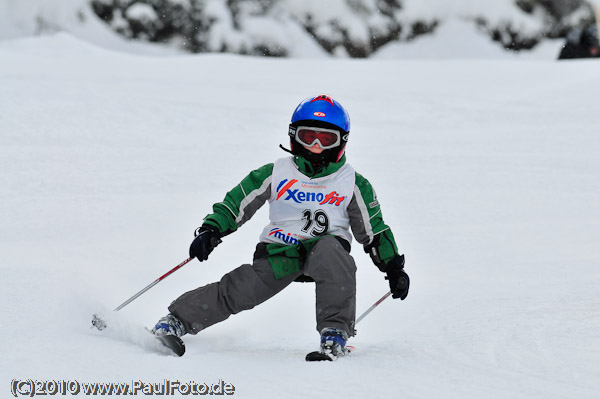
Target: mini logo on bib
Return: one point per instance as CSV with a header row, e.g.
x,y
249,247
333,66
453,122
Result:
x,y
280,235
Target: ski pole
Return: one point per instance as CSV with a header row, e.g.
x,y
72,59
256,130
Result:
x,y
596,9
152,284
100,323
383,298
158,280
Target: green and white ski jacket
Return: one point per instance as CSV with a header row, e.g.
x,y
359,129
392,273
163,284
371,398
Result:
x,y
305,204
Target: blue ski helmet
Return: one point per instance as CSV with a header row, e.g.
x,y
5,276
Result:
x,y
322,109
325,112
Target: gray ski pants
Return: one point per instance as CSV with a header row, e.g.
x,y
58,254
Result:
x,y
329,264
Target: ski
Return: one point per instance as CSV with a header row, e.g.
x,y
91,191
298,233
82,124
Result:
x,y
143,337
318,356
174,343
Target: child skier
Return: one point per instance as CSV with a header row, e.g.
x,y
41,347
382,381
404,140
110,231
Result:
x,y
315,197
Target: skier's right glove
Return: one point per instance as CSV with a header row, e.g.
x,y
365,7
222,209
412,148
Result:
x,y
207,238
397,277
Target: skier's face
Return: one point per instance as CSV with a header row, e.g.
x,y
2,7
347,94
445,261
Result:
x,y
315,149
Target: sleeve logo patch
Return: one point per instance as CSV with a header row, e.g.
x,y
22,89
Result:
x,y
374,204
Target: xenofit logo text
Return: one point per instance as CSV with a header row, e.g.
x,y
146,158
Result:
x,y
285,187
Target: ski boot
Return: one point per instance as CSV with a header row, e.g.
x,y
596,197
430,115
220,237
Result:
x,y
333,345
169,325
168,330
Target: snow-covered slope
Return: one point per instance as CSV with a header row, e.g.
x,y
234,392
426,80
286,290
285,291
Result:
x,y
487,172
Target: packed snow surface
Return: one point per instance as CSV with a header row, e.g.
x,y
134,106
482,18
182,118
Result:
x,y
487,172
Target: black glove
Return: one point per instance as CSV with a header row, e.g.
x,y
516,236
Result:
x,y
207,238
397,278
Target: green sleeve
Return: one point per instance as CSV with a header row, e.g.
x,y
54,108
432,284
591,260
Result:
x,y
242,202
368,225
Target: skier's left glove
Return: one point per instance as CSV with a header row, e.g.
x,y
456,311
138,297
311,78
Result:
x,y
207,238
398,279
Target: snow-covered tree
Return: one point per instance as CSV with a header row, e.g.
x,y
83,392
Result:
x,y
353,28
537,20
342,28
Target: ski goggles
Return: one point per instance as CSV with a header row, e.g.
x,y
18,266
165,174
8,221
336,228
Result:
x,y
308,136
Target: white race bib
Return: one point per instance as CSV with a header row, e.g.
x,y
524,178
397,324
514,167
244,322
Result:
x,y
301,208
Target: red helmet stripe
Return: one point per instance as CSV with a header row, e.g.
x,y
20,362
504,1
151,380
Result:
x,y
324,98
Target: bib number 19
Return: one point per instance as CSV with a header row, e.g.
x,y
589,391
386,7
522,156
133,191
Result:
x,y
317,222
